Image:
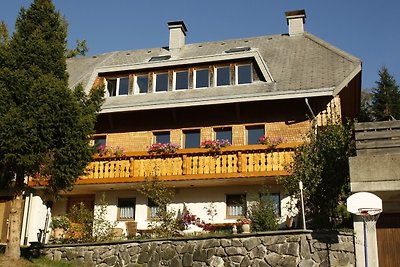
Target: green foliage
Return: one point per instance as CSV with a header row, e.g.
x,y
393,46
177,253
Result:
x,y
61,222
322,164
166,223
4,36
386,97
80,49
102,228
45,126
262,214
366,107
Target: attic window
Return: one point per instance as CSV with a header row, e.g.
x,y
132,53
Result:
x,y
159,58
238,49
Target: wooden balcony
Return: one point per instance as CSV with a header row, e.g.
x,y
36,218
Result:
x,y
191,164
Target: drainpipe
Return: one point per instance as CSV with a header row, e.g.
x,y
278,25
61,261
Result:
x,y
28,218
314,121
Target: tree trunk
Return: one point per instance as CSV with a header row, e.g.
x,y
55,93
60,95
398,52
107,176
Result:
x,y
13,251
13,245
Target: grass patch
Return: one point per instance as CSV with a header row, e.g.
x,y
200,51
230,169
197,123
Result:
x,y
39,262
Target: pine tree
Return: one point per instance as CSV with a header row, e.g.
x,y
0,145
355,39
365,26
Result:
x,y
45,126
386,97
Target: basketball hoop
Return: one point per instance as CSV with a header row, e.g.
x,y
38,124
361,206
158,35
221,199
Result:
x,y
369,207
369,216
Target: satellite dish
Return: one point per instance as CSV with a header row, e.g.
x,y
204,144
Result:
x,y
364,202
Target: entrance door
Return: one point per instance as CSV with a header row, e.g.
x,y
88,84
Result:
x,y
388,239
4,214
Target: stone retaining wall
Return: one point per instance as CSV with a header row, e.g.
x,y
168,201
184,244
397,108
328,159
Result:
x,y
289,248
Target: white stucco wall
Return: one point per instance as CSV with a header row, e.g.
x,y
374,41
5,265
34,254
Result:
x,y
196,199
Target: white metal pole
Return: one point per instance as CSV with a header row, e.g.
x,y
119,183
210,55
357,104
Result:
x,y
302,205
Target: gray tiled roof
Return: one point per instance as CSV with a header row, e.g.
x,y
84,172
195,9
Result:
x,y
302,65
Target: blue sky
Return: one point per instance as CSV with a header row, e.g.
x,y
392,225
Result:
x,y
367,29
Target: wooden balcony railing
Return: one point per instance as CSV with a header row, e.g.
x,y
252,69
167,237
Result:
x,y
189,164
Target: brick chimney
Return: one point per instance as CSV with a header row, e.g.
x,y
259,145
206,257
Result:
x,y
296,19
177,34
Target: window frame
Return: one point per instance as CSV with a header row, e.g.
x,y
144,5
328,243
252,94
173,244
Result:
x,y
243,200
119,206
117,86
155,134
223,129
247,127
195,70
184,133
155,75
278,207
136,86
151,204
237,66
175,79
216,68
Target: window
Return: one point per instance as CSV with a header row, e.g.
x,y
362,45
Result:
x,y
223,134
142,84
235,205
275,198
118,86
126,208
99,141
162,137
201,78
223,76
161,82
192,138
152,209
254,133
181,80
244,74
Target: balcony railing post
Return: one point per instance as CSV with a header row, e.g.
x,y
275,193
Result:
x,y
131,170
184,161
239,155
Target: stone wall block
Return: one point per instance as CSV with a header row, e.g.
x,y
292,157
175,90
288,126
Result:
x,y
187,260
230,251
250,243
226,242
258,252
111,260
215,261
143,257
188,248
57,255
134,250
88,255
236,242
236,258
273,259
211,243
220,252
289,261
269,240
124,256
200,255
348,247
304,248
245,262
168,253
307,263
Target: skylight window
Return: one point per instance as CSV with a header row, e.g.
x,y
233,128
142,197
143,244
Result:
x,y
159,58
238,49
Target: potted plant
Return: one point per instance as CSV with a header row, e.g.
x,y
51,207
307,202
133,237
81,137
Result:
x,y
215,145
59,224
270,141
163,148
245,222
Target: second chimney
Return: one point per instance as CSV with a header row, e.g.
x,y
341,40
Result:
x,y
177,34
295,20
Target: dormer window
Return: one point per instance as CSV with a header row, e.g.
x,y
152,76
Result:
x,y
201,78
244,74
181,80
118,86
141,84
161,82
223,76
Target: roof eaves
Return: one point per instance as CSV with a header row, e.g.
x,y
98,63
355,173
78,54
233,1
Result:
x,y
224,100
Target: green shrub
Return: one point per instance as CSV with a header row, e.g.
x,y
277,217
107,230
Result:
x,y
262,214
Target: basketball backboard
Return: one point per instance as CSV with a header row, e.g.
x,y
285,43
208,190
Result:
x,y
363,201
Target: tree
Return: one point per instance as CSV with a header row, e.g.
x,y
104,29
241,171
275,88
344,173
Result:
x,y
322,164
45,126
386,97
365,108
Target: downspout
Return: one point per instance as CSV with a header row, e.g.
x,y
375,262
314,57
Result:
x,y
314,120
28,218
